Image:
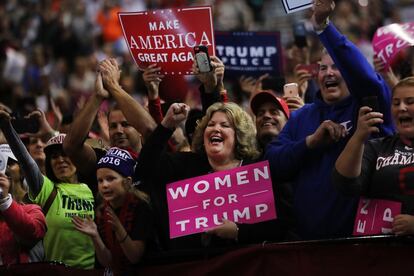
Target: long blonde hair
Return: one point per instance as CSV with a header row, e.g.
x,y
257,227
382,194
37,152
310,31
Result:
x,y
244,128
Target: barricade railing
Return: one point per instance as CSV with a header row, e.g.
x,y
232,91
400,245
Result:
x,y
377,255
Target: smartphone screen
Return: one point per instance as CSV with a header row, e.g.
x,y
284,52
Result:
x,y
291,90
202,59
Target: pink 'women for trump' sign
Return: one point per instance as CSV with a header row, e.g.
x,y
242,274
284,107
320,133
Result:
x,y
167,37
375,216
243,195
389,40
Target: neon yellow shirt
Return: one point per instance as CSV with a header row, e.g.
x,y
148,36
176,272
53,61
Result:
x,y
62,241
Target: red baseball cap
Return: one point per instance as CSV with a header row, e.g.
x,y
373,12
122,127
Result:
x,y
264,96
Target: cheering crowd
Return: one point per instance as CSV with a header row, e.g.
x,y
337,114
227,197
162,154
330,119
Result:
x,y
87,186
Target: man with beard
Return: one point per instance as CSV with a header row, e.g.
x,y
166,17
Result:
x,y
308,146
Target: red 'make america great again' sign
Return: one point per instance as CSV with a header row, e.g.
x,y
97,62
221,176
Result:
x,y
167,37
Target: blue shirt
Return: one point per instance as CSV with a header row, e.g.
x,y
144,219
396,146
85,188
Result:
x,y
321,212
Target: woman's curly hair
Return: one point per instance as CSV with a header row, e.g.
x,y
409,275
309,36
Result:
x,y
244,128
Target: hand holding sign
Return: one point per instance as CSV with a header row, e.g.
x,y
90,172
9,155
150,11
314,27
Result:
x,y
377,216
175,115
228,230
322,9
390,40
403,225
216,201
296,5
152,79
387,73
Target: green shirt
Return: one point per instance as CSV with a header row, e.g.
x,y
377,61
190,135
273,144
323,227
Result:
x,y
62,241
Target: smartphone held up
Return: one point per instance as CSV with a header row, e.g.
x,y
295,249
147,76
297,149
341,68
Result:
x,y
291,90
202,59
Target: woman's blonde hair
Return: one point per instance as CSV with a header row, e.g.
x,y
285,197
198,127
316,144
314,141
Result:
x,y
407,82
130,188
244,128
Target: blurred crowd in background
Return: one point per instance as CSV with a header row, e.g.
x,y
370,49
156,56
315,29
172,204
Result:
x,y
50,48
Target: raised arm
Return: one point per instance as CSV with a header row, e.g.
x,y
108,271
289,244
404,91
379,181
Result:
x,y
81,154
45,131
152,80
212,82
349,161
349,165
32,172
150,158
359,75
387,73
134,112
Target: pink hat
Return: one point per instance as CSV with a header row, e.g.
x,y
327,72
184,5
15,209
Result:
x,y
264,96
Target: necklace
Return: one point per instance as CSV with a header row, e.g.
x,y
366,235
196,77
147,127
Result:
x,y
239,165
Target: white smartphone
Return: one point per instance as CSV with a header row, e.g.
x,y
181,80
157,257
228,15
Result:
x,y
202,59
291,89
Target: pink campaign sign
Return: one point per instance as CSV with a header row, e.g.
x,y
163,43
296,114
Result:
x,y
243,194
389,40
375,216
